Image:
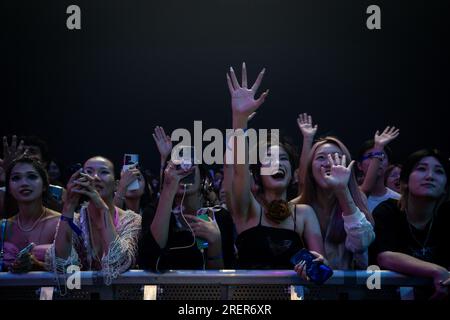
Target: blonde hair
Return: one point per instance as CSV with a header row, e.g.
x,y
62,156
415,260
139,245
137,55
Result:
x,y
310,188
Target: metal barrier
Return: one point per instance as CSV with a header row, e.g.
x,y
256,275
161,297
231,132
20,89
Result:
x,y
210,285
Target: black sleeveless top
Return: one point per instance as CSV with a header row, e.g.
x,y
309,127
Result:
x,y
262,247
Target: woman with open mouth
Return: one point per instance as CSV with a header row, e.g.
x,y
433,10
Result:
x,y
270,231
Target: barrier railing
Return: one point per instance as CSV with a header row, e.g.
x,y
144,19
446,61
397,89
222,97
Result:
x,y
219,284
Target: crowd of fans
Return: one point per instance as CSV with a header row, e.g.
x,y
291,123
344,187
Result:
x,y
348,212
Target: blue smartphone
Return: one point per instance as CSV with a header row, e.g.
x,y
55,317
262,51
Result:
x,y
56,192
316,271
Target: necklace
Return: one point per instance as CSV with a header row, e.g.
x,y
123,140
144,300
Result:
x,y
19,224
423,246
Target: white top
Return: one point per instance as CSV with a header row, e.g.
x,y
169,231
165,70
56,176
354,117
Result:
x,y
373,201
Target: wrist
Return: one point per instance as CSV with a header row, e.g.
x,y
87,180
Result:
x,y
342,192
68,210
308,138
378,147
239,120
439,272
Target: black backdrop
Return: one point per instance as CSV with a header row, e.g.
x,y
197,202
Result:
x,y
137,64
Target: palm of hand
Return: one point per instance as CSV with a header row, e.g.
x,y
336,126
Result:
x,y
386,136
242,100
338,177
165,147
383,139
307,129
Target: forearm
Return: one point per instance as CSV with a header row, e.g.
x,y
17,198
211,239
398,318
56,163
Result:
x,y
240,177
359,232
163,161
370,178
346,202
160,224
215,256
63,238
407,264
306,149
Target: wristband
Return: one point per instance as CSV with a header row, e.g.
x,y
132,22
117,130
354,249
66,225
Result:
x,y
72,225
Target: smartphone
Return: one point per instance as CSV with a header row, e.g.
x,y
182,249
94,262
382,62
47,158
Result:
x,y
186,164
130,159
316,271
25,250
56,192
202,243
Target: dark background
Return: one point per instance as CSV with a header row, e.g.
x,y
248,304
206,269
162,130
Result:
x,y
138,64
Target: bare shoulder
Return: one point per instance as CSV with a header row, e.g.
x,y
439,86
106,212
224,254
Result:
x,y
51,214
51,217
304,212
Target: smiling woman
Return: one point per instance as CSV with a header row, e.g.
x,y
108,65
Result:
x,y
26,236
102,236
412,234
270,230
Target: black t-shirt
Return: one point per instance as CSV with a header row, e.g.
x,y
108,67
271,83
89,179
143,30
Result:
x,y
394,233
152,257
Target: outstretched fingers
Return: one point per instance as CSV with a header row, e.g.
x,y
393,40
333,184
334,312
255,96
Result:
x,y
258,80
234,80
244,76
230,85
262,98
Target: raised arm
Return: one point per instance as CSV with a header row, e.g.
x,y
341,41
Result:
x,y
126,178
243,104
305,124
359,230
160,224
164,144
381,141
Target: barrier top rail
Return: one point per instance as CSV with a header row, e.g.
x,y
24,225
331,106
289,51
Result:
x,y
221,277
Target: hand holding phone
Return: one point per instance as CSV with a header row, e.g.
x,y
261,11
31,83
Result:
x,y
128,161
25,251
317,271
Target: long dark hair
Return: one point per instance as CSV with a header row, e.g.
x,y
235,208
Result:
x,y
11,207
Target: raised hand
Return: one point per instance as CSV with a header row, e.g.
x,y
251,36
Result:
x,y
339,173
163,142
305,124
173,175
11,152
85,186
389,134
243,99
127,177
